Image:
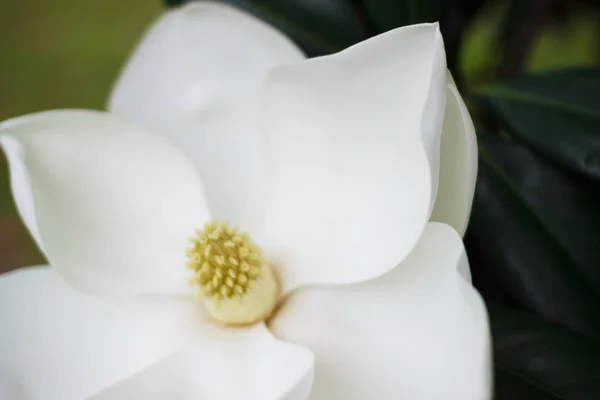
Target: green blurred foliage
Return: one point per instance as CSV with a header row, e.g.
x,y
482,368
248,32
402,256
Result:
x,y
572,41
61,53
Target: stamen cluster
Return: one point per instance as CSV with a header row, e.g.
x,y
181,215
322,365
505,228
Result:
x,y
225,262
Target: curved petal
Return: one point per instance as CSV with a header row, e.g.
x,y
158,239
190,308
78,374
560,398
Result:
x,y
21,188
114,204
458,165
196,77
59,344
246,363
352,148
418,332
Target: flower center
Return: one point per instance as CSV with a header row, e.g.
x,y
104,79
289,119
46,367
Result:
x,y
235,281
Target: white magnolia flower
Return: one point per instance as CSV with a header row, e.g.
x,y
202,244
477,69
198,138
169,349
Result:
x,y
336,166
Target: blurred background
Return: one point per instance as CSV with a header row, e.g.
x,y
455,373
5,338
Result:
x,y
61,53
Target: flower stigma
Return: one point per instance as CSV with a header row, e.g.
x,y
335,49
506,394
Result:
x,y
237,284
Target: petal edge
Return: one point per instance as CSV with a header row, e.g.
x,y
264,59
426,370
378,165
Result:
x,y
114,204
352,145
418,324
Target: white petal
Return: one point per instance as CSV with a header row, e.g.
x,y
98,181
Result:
x,y
244,363
59,344
197,77
21,187
418,332
198,57
458,165
352,146
115,205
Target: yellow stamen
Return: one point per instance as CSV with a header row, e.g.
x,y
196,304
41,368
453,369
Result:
x,y
236,282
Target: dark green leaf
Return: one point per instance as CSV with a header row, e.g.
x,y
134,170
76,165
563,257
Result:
x,y
567,204
556,113
516,13
512,386
468,8
390,14
518,31
537,360
513,245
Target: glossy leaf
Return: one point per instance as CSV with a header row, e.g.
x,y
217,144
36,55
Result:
x,y
566,203
537,360
512,245
511,386
556,113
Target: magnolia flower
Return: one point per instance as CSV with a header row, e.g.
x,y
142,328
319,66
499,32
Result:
x,y
352,174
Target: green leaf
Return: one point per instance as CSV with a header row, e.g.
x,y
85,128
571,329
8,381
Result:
x,y
567,204
538,360
390,14
518,242
468,8
516,35
556,113
511,386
